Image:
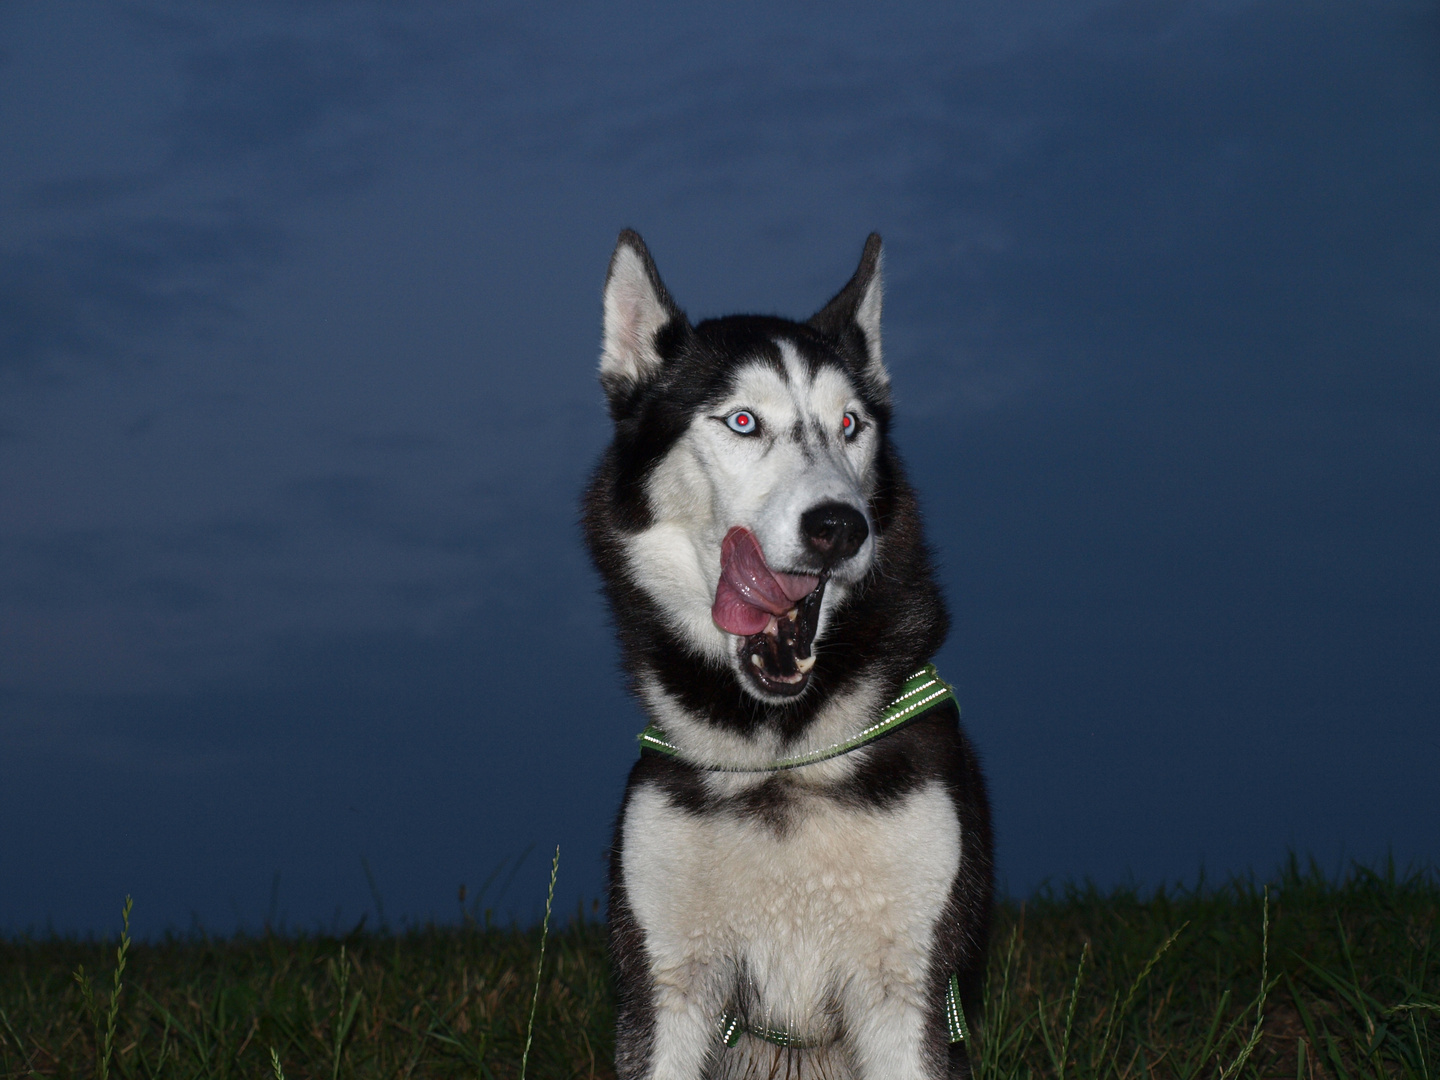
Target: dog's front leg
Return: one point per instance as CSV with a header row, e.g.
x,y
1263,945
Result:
x,y
667,1030
888,1034
686,1028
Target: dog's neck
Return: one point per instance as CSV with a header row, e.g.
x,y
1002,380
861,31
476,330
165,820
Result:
x,y
922,692
701,741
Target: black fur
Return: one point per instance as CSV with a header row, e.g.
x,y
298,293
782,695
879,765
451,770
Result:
x,y
891,623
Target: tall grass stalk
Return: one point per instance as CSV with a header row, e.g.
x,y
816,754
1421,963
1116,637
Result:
x,y
1061,1059
540,964
1118,1015
107,1042
345,1008
1249,1048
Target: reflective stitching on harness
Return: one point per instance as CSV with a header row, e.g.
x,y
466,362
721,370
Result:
x,y
732,1027
954,1012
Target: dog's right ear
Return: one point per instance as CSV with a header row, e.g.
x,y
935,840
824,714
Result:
x,y
637,310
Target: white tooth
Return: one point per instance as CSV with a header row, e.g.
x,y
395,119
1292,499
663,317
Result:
x,y
806,664
793,614
755,659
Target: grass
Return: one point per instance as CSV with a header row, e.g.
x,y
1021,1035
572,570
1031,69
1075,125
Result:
x,y
1306,978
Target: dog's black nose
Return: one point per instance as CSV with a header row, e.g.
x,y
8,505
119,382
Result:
x,y
833,531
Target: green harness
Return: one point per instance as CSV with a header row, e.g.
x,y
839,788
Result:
x,y
922,692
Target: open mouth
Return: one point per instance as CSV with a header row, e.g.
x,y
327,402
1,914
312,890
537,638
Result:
x,y
775,614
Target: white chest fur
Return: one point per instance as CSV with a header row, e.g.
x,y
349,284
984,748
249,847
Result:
x,y
838,910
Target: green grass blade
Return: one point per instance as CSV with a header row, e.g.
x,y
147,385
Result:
x,y
540,963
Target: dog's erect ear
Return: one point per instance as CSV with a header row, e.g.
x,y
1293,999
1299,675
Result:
x,y
853,317
637,308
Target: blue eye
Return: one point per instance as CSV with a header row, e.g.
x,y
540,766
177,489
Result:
x,y
849,425
742,422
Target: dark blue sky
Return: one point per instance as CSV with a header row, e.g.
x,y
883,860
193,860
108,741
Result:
x,y
299,316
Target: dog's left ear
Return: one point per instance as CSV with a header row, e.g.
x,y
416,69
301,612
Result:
x,y
853,317
638,309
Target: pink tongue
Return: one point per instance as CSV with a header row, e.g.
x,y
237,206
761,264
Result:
x,y
749,591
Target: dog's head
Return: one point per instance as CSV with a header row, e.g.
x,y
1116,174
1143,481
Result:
x,y
743,470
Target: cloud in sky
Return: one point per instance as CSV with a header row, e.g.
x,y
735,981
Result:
x,y
298,318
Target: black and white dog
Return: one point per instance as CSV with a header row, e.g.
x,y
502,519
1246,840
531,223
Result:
x,y
789,894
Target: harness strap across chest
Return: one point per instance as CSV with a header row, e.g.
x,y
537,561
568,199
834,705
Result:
x,y
732,1027
921,692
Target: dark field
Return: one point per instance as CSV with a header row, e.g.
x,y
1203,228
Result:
x,y
1082,986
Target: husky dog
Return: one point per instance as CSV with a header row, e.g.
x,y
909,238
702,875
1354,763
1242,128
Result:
x,y
788,895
